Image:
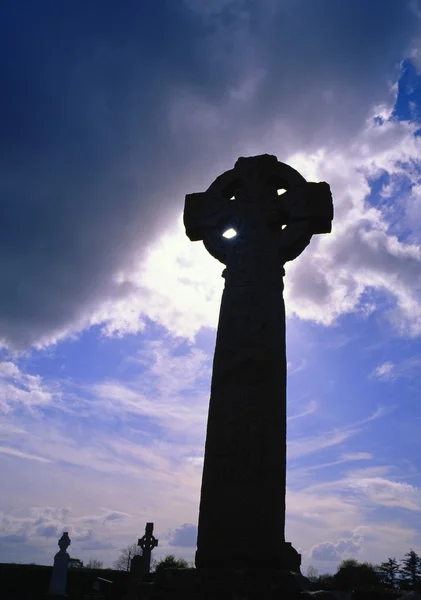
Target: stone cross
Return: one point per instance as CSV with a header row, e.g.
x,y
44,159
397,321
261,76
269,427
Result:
x,y
271,213
61,563
147,542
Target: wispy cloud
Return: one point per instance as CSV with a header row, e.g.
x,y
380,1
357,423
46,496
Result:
x,y
20,454
171,390
313,444
386,492
356,456
18,389
374,489
391,371
343,458
310,409
385,371
339,506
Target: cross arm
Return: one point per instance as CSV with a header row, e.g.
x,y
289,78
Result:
x,y
204,212
310,202
194,208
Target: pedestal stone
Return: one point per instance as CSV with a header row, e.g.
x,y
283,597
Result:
x,y
229,584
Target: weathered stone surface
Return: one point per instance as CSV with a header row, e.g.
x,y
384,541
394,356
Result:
x,y
242,508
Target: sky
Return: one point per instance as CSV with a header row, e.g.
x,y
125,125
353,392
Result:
x,y
110,114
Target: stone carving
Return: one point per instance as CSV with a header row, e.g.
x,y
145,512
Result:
x,y
244,474
61,563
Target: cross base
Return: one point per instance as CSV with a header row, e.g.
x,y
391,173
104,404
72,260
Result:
x,y
225,584
286,559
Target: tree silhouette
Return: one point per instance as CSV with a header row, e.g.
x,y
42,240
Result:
x,y
94,564
170,562
388,571
352,575
122,563
312,574
75,563
410,569
348,562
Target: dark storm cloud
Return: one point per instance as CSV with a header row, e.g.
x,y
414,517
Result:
x,y
84,88
92,168
327,57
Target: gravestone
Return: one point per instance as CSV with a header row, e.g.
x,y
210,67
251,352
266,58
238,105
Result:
x,y
253,219
136,566
61,563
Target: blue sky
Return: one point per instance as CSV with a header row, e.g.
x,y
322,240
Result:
x,y
110,115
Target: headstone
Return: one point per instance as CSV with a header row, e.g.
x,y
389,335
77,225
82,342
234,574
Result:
x,y
61,563
136,566
242,505
147,542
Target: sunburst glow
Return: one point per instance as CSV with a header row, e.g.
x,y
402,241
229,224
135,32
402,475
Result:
x,y
229,233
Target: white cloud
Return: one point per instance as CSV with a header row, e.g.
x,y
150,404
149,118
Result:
x,y
108,517
328,552
406,369
313,516
324,519
180,285
9,370
21,389
184,536
384,492
385,371
371,487
43,526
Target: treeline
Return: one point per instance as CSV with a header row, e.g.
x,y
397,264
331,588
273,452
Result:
x,y
351,574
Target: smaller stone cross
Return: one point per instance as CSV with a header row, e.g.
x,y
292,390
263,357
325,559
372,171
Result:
x,y
147,542
61,563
